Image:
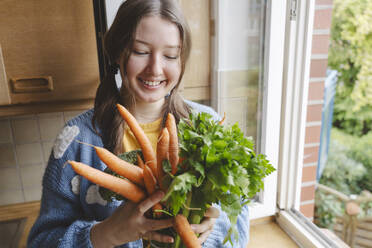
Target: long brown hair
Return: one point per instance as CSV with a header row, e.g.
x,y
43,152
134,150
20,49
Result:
x,y
118,41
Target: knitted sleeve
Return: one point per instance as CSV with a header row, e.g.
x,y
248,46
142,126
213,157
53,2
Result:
x,y
221,228
61,222
56,228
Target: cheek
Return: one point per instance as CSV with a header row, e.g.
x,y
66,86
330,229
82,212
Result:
x,y
133,67
174,72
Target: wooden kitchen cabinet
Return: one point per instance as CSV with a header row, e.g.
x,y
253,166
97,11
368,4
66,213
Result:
x,y
197,82
26,213
49,53
49,60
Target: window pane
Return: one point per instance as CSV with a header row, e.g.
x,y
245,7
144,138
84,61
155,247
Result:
x,y
241,79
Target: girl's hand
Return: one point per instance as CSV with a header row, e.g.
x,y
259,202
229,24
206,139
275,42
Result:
x,y
206,226
128,223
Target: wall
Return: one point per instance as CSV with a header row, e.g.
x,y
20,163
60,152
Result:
x,y
25,146
318,66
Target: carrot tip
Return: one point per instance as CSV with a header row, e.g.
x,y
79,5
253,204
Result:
x,y
64,165
223,119
81,142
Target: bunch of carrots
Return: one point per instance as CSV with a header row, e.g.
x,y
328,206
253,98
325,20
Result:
x,y
145,178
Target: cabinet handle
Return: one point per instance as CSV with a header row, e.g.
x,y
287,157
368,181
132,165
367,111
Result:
x,y
32,84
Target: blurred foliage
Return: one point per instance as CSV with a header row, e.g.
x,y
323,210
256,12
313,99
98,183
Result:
x,y
327,208
358,149
361,151
342,172
350,54
348,165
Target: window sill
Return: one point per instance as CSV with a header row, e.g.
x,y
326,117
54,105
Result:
x,y
287,230
266,227
304,232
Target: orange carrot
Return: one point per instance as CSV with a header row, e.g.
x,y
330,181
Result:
x,y
183,228
150,180
143,141
150,183
171,125
183,166
155,209
121,167
121,186
162,149
223,119
181,160
140,162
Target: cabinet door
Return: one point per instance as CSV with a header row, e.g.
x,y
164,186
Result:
x,y
49,50
196,80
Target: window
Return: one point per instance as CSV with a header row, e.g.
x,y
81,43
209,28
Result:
x,y
285,34
296,67
247,78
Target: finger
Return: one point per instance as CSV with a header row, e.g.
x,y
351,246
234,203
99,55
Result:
x,y
202,238
153,225
150,201
204,226
158,237
212,212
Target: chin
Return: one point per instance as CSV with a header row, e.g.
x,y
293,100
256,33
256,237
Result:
x,y
151,99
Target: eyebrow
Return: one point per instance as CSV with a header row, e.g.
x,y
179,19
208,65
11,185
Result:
x,y
148,44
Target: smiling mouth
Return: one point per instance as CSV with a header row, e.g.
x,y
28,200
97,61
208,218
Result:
x,y
152,83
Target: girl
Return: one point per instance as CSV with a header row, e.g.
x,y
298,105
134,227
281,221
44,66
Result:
x,y
149,42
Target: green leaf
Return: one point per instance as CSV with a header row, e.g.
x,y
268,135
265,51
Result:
x,y
232,169
131,156
167,167
181,183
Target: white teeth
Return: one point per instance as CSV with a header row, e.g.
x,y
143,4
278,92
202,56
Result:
x,y
152,83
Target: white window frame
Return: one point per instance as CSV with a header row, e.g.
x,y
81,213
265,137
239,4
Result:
x,y
299,30
294,103
272,80
286,78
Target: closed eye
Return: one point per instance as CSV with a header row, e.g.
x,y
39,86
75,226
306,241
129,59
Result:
x,y
171,57
140,52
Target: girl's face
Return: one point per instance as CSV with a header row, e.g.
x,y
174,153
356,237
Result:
x,y
154,66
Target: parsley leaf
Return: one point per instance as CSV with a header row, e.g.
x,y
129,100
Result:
x,y
220,167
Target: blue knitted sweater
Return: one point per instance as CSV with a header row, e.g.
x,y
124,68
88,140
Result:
x,y
71,205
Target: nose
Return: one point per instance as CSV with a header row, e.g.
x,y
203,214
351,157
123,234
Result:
x,y
155,66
